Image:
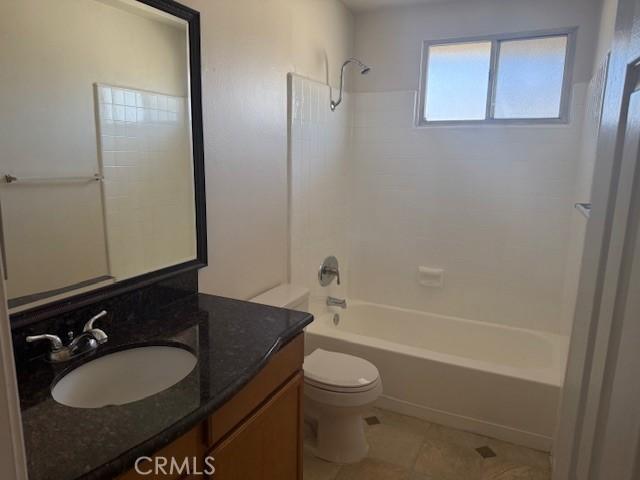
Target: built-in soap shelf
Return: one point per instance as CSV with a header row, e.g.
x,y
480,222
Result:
x,y
431,277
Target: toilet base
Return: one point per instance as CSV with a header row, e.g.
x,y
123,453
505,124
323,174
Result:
x,y
338,432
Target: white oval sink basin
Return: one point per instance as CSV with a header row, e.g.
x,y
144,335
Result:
x,y
124,377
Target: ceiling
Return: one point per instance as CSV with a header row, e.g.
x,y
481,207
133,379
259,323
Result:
x,y
364,5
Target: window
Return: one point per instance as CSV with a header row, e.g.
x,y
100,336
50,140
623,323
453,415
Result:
x,y
515,78
458,80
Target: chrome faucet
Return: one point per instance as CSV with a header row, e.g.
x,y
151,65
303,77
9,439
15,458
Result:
x,y
87,341
328,271
336,302
97,333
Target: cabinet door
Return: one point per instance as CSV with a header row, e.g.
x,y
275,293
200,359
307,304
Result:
x,y
267,446
189,448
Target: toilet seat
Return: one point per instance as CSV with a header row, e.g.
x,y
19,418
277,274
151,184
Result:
x,y
337,389
343,400
339,372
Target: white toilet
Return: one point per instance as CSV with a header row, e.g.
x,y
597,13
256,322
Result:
x,y
337,389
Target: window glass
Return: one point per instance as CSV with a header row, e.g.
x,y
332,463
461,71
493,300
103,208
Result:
x,y
457,81
530,78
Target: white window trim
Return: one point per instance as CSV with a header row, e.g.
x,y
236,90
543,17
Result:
x,y
565,99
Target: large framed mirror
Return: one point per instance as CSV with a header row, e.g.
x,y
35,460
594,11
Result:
x,y
101,159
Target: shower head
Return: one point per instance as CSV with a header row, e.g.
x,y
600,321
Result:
x,y
364,69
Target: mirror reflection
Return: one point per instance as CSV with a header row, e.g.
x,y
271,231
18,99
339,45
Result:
x,y
96,160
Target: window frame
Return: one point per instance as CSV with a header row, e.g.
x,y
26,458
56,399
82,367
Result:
x,y
565,98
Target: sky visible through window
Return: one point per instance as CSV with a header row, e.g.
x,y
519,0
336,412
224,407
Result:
x,y
528,81
457,82
530,75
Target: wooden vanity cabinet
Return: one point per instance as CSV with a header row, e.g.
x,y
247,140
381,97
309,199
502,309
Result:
x,y
265,446
257,434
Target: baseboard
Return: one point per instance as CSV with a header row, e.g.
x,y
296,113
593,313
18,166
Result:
x,y
460,422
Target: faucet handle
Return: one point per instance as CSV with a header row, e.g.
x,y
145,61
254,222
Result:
x,y
332,272
89,325
56,343
97,333
337,272
328,271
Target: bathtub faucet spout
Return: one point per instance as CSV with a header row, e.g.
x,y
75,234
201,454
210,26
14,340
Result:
x,y
336,302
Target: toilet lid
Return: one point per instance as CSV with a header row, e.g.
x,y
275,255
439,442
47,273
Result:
x,y
335,369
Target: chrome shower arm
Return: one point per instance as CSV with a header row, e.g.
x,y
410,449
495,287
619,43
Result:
x,y
364,70
339,101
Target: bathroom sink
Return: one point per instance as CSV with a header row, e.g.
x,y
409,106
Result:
x,y
124,377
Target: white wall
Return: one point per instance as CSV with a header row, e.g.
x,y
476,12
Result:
x,y
248,47
391,39
606,30
580,337
583,183
319,166
587,158
491,205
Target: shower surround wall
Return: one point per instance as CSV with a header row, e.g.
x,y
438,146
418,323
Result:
x,y
319,183
491,206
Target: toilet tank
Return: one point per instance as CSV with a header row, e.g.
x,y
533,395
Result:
x,y
288,296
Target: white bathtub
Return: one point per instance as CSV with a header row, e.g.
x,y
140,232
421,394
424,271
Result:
x,y
498,381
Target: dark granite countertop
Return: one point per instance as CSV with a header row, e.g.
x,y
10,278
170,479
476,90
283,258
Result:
x,y
233,341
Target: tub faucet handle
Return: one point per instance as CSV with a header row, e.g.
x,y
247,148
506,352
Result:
x,y
333,272
328,271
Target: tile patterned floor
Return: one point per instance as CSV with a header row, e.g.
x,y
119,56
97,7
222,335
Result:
x,y
406,448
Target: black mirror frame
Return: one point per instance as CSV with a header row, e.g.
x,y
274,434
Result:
x,y
42,312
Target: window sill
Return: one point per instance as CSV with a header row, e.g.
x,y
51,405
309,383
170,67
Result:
x,y
542,122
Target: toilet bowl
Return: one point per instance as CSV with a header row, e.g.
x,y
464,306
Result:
x,y
338,388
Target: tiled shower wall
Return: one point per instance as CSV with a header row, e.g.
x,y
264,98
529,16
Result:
x,y
148,186
490,205
584,181
319,183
